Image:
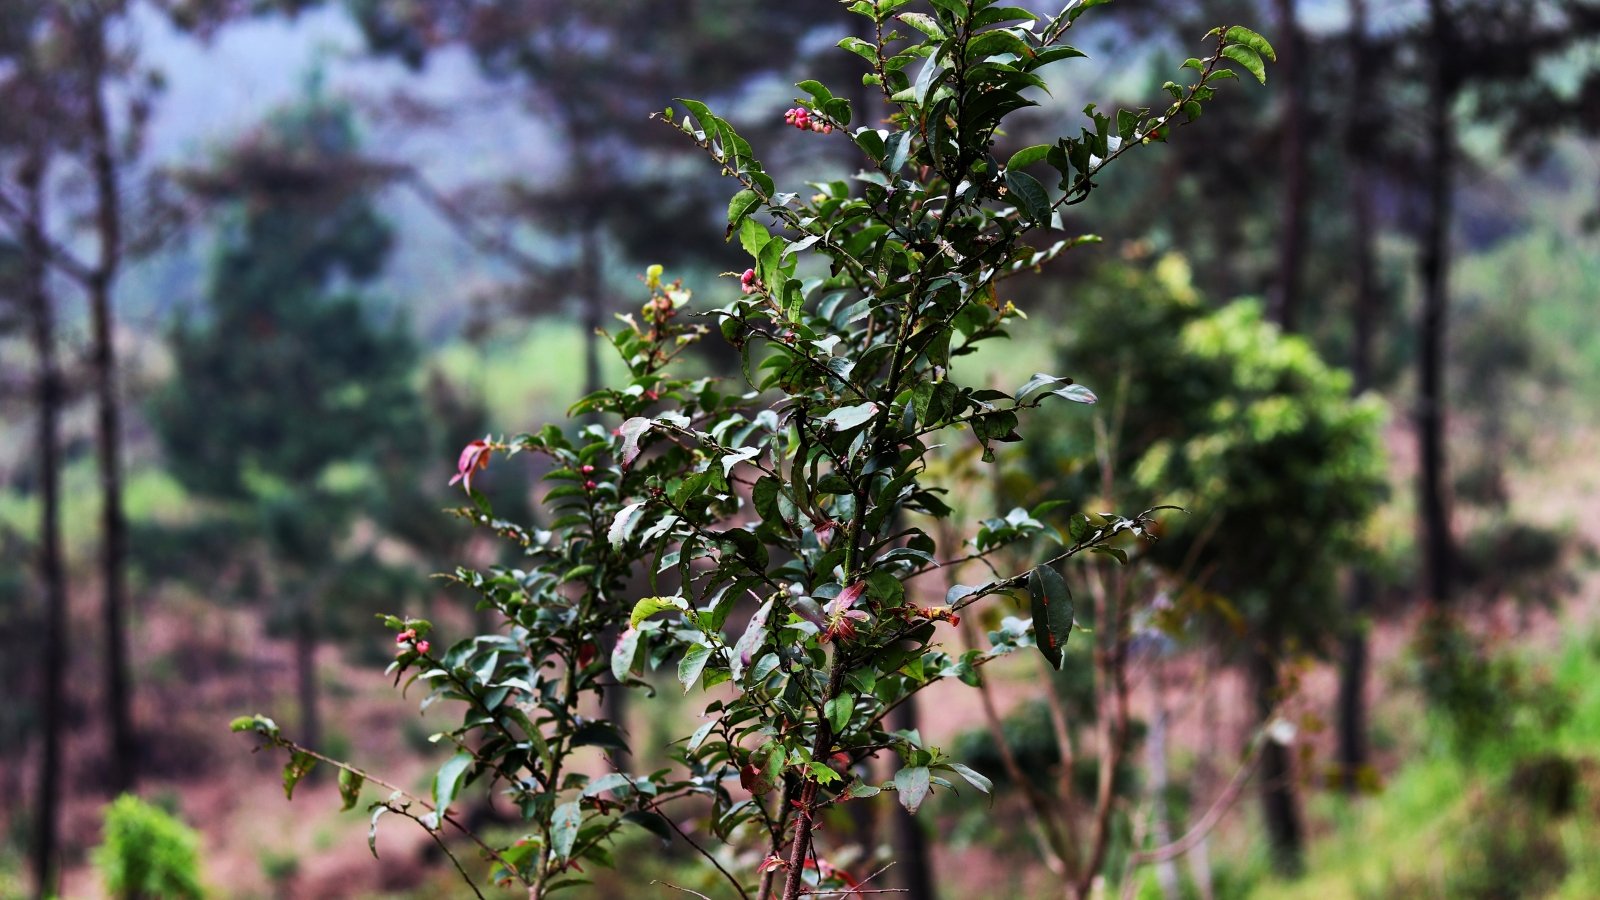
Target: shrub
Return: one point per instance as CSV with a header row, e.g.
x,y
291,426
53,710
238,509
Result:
x,y
781,523
148,853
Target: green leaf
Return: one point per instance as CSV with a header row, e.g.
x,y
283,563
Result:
x,y
753,236
742,204
564,826
622,655
823,773
847,418
1052,612
649,606
699,736
622,526
299,766
817,90
1249,59
925,24
1239,34
839,710
973,778
755,634
1030,195
861,789
372,830
912,785
350,788
447,782
1077,393
607,782
693,663
1027,156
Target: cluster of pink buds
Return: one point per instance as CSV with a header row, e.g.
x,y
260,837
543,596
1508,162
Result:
x,y
409,636
800,117
749,283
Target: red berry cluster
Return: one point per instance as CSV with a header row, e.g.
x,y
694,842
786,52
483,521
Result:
x,y
409,636
800,117
749,283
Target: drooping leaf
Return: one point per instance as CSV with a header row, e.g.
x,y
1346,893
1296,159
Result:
x,y
974,778
622,526
1052,612
299,766
911,783
622,655
564,826
1249,59
1239,34
447,781
693,663
839,710
350,788
631,431
1029,195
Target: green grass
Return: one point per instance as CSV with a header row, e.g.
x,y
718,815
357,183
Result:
x,y
1447,824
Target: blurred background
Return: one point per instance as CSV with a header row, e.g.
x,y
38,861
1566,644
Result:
x,y
266,265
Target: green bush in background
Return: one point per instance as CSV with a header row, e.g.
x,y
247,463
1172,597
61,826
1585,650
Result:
x,y
148,853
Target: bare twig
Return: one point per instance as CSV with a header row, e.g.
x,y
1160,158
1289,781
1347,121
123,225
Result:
x,y
702,851
679,888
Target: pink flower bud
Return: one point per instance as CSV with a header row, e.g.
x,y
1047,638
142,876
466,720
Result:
x,y
422,646
748,277
587,470
589,485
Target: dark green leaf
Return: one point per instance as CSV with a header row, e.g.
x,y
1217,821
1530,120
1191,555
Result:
x,y
1052,612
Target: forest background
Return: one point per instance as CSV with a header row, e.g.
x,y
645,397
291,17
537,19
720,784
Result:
x,y
266,267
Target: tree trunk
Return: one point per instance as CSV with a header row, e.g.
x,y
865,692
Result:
x,y
1352,711
1156,763
52,576
912,867
122,766
1432,503
1293,161
1280,813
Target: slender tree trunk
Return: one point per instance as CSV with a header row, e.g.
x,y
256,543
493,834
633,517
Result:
x,y
52,576
1156,763
913,867
1352,708
122,766
1280,813
1432,505
1292,149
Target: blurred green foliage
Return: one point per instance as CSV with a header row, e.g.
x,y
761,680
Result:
x,y
148,853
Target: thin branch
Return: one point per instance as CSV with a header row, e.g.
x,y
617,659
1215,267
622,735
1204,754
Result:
x,y
702,851
443,816
1219,808
679,888
440,841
